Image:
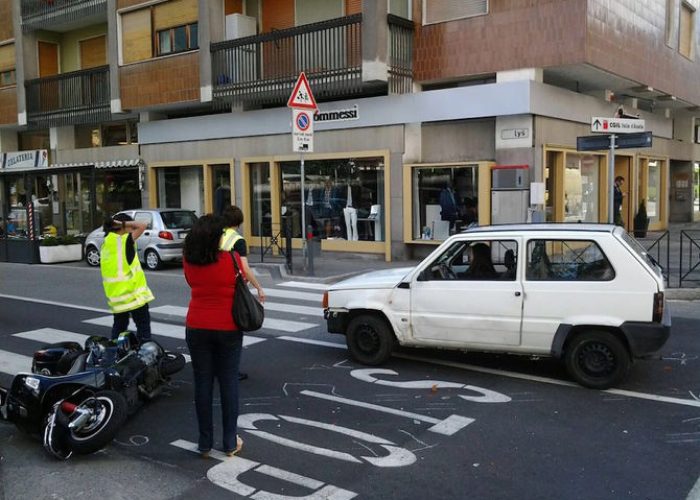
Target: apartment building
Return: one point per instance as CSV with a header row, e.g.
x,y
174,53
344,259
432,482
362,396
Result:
x,y
433,114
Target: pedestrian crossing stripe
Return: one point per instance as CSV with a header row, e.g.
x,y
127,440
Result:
x,y
293,294
283,325
12,363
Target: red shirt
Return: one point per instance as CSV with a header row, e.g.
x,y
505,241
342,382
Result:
x,y
212,294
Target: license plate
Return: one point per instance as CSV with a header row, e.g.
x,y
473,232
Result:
x,y
182,236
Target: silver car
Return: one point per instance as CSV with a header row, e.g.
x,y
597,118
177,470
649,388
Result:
x,y
162,241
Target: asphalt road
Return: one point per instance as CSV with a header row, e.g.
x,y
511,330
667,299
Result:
x,y
444,425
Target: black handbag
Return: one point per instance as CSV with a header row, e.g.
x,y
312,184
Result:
x,y
248,312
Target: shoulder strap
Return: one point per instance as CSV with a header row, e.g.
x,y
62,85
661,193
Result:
x,y
237,266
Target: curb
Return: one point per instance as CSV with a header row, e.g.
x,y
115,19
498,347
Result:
x,y
683,294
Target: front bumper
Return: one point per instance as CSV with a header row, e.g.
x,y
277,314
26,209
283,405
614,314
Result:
x,y
336,321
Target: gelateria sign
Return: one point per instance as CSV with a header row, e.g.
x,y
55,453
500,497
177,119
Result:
x,y
38,158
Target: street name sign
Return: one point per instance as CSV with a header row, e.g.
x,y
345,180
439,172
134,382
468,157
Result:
x,y
302,97
302,131
602,142
617,125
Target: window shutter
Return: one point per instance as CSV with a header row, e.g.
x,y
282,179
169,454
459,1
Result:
x,y
438,11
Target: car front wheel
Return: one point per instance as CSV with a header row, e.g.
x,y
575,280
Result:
x,y
597,359
92,256
370,340
153,261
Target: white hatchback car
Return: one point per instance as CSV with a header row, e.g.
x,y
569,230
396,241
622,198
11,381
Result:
x,y
587,294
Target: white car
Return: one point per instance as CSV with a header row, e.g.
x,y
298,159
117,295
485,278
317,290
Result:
x,y
586,294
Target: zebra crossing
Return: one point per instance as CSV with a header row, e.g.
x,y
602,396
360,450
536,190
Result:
x,y
291,308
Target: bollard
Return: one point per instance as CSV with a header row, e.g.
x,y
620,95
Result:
x,y
288,243
310,244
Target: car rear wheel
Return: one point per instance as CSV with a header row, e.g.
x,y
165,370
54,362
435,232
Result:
x,y
92,256
370,340
597,359
153,261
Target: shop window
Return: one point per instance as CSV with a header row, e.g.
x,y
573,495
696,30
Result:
x,y
343,198
446,200
696,188
116,189
550,173
654,190
181,187
221,186
177,39
567,260
261,204
686,38
581,188
15,223
439,11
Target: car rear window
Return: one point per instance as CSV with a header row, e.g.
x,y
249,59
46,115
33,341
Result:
x,y
640,251
567,260
178,220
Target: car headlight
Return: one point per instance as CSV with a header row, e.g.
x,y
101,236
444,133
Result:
x,y
32,383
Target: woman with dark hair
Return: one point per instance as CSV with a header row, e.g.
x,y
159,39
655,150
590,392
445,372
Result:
x,y
213,338
123,278
480,264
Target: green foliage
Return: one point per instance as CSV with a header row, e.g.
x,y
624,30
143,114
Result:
x,y
54,241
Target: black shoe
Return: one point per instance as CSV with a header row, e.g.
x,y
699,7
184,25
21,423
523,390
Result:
x,y
242,376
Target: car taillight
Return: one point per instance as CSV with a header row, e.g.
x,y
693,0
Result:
x,y
166,235
658,307
324,302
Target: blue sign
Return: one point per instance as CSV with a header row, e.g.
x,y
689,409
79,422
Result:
x,y
303,121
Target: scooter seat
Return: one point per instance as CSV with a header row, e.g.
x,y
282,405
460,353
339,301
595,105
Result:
x,y
78,364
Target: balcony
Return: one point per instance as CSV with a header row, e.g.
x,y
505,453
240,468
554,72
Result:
x,y
69,99
261,70
61,15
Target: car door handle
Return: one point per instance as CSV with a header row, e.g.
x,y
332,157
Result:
x,y
517,294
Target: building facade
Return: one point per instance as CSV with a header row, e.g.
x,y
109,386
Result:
x,y
433,115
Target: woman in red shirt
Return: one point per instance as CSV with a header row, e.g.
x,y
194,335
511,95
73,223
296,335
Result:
x,y
212,336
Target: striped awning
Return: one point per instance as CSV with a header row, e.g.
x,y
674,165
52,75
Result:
x,y
133,162
130,163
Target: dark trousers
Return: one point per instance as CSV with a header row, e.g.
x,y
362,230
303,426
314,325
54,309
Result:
x,y
215,355
142,319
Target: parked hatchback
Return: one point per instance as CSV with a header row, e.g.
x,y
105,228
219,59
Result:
x,y
162,241
586,294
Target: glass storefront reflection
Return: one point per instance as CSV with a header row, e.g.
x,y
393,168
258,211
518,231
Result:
x,y
181,187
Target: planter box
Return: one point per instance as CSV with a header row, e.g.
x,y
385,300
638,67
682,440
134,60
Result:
x,y
60,253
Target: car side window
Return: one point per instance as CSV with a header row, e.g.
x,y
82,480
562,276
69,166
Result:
x,y
567,260
484,260
144,217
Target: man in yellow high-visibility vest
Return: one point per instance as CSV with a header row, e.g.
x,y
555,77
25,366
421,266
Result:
x,y
123,278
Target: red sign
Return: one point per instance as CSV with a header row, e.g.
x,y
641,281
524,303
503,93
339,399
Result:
x,y
302,97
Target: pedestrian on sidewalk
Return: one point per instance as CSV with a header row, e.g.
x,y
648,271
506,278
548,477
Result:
x,y
214,341
232,241
123,278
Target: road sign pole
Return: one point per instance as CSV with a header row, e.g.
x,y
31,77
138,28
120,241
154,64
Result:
x,y
304,248
611,181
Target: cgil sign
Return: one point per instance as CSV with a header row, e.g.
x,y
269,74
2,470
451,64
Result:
x,y
337,115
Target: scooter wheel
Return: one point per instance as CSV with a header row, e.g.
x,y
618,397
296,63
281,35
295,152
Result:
x,y
109,410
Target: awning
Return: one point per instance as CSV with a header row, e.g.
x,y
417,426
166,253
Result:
x,y
133,162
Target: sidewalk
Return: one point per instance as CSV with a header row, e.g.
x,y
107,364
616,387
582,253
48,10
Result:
x,y
330,267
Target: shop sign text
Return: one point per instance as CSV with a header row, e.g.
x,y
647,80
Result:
x,y
25,159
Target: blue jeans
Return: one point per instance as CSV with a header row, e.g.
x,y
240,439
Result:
x,y
215,355
142,319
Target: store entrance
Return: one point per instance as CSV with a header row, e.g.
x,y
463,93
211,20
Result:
x,y
623,168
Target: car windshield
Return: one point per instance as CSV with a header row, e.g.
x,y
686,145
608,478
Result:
x,y
178,220
639,250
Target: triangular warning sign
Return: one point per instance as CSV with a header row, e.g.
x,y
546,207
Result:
x,y
302,97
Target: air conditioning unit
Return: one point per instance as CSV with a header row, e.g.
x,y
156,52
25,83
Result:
x,y
510,177
239,26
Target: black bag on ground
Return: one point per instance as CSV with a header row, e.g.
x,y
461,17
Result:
x,y
248,312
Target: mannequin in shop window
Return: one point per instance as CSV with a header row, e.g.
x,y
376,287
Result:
x,y
448,204
350,213
222,198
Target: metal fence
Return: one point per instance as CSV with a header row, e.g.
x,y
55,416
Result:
x,y
70,98
658,246
689,261
40,14
262,69
400,55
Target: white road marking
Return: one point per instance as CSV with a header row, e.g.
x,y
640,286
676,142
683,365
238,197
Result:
x,y
291,294
162,329
54,303
504,373
303,284
225,475
695,492
11,363
448,426
282,325
51,335
269,306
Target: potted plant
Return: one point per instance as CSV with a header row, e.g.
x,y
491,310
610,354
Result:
x,y
641,221
59,249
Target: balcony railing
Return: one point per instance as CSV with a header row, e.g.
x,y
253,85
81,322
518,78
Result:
x,y
400,55
70,98
261,70
50,14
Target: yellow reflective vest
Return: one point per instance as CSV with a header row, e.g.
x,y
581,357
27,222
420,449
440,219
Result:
x,y
228,239
125,284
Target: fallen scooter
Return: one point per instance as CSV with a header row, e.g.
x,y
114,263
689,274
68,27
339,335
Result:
x,y
77,398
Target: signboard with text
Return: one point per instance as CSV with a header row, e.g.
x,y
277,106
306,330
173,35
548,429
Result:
x,y
302,131
617,125
38,158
